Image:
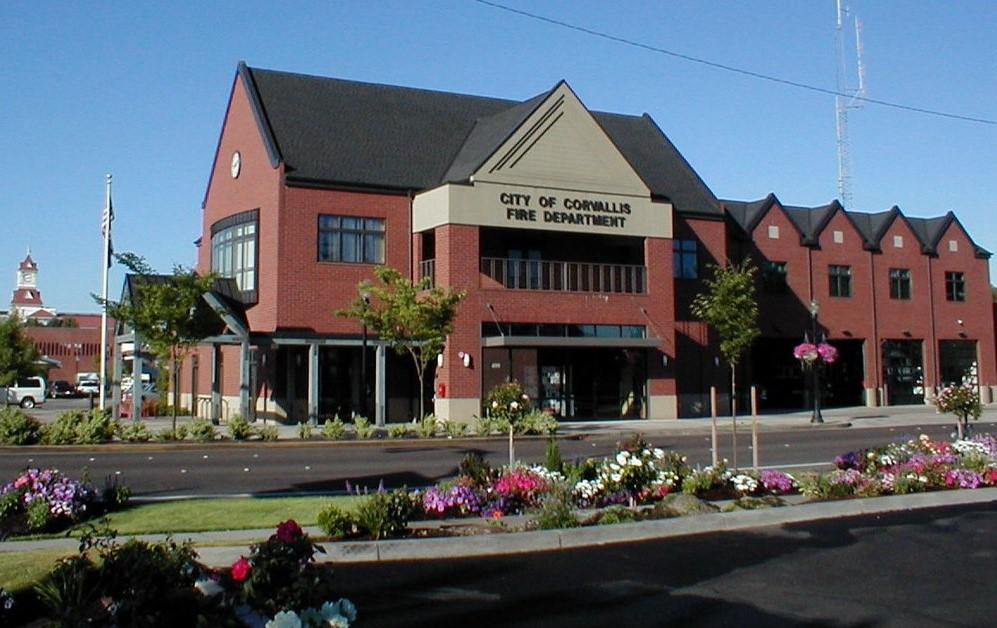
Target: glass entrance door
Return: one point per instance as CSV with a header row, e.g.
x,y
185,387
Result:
x,y
903,372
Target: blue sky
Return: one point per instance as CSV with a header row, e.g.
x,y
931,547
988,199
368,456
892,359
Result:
x,y
139,89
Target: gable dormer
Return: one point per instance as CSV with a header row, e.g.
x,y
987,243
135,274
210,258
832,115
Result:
x,y
561,145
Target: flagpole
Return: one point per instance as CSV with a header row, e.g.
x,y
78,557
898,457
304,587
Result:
x,y
104,268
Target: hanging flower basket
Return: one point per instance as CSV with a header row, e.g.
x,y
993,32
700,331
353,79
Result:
x,y
810,354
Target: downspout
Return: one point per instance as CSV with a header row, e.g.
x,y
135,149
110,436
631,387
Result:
x,y
931,321
876,365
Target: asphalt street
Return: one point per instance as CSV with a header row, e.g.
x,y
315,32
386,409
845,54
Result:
x,y
922,568
155,470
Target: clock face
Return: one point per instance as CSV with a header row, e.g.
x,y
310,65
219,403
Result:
x,y
236,164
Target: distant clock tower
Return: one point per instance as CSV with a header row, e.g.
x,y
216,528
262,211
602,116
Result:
x,y
27,299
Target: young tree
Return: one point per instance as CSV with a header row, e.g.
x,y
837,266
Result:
x,y
729,306
18,355
410,317
161,309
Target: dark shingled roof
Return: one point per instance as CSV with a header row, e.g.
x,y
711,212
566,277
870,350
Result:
x,y
811,221
348,133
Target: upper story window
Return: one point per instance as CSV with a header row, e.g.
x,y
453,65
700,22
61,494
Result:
x,y
955,286
233,250
774,277
840,278
900,283
773,232
685,259
351,239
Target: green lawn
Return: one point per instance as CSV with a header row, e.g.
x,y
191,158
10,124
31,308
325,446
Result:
x,y
22,569
205,515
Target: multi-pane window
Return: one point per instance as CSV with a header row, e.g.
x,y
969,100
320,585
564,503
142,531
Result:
x,y
955,286
685,259
351,239
233,250
774,276
900,283
840,278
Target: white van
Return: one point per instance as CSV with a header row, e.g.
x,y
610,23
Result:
x,y
28,392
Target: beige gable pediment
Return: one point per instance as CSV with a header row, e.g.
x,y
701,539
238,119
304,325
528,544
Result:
x,y
561,146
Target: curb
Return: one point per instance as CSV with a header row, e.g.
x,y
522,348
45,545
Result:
x,y
574,538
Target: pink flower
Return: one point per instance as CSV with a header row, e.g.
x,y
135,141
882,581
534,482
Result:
x,y
827,353
807,352
241,569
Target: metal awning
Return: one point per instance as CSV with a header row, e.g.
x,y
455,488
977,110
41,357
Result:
x,y
566,341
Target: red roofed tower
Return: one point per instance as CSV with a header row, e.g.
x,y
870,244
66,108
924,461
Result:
x,y
27,299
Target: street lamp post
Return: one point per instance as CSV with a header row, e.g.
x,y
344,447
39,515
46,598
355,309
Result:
x,y
816,416
363,361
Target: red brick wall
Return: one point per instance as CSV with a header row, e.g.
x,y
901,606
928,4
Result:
x,y
787,314
311,291
257,187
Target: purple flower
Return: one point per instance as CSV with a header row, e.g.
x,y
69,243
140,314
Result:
x,y
777,482
847,461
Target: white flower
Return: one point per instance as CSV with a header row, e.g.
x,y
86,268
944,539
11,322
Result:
x,y
346,609
208,587
495,404
659,454
514,405
636,462
621,457
285,619
616,477
614,466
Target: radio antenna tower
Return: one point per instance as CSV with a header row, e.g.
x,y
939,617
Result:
x,y
848,98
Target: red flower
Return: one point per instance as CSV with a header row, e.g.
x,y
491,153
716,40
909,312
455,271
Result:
x,y
241,569
289,531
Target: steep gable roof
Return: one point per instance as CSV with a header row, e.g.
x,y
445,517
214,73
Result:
x,y
747,214
348,133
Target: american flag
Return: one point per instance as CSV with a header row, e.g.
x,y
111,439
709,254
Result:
x,y
105,228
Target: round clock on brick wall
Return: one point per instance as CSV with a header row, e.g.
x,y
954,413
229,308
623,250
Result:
x,y
236,164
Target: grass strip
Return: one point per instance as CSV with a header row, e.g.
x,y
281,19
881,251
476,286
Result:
x,y
21,570
208,515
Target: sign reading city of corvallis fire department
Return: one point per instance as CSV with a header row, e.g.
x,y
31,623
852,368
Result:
x,y
524,207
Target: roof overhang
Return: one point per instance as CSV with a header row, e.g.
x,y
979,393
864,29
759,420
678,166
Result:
x,y
562,341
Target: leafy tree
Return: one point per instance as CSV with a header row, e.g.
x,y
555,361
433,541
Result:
x,y
730,307
412,318
161,309
18,355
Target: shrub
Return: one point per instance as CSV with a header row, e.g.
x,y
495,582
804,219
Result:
x,y
384,515
304,430
168,434
616,514
428,426
557,509
485,425
268,433
507,401
63,431
202,430
130,584
134,432
334,429
398,430
336,522
455,429
39,515
554,461
475,470
363,429
18,428
281,574
537,422
239,428
706,479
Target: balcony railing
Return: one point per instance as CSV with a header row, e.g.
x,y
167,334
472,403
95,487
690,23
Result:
x,y
525,274
427,268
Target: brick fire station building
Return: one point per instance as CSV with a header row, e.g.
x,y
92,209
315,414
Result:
x,y
581,238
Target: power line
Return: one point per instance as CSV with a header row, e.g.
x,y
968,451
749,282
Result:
x,y
736,70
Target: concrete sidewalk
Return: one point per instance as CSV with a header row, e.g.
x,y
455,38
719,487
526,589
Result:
x,y
835,418
221,549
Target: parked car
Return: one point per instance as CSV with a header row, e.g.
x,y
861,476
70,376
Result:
x,y
88,387
61,389
28,392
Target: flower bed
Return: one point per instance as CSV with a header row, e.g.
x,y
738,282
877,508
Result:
x,y
45,500
639,474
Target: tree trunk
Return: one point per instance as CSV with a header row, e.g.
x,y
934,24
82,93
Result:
x,y
733,412
175,378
